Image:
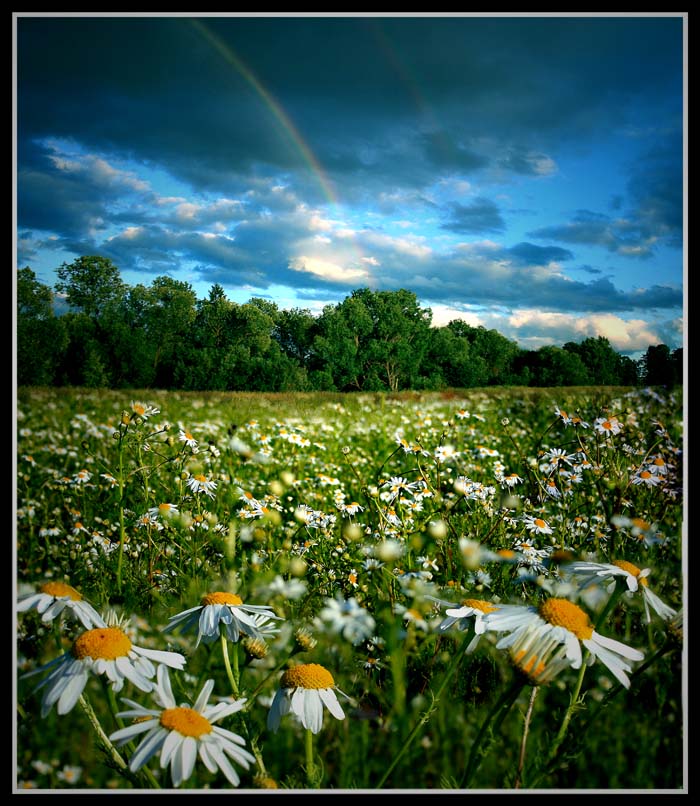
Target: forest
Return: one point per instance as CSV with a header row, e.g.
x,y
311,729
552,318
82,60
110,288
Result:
x,y
161,336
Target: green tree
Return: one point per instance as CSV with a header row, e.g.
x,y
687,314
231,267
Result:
x,y
601,360
90,283
659,367
170,314
41,335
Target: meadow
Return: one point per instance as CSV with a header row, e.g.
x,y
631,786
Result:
x,y
477,590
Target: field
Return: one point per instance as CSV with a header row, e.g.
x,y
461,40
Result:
x,y
478,590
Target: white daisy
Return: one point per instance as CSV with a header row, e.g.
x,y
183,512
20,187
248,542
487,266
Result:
x,y
567,624
54,598
105,650
303,691
537,525
635,578
607,425
199,483
222,611
180,733
470,610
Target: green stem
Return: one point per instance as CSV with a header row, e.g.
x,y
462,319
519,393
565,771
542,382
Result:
x,y
309,754
232,674
489,728
523,743
425,716
104,739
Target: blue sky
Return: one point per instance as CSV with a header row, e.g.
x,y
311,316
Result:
x,y
525,173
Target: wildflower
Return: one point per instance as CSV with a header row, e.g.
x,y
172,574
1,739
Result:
x,y
635,578
463,614
303,691
53,598
511,480
163,511
347,618
221,611
201,484
142,410
646,477
607,425
567,624
539,658
537,525
69,774
180,733
189,441
104,650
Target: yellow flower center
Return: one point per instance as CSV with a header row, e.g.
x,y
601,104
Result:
x,y
562,613
220,597
201,478
186,721
607,425
307,675
58,589
139,409
506,553
539,523
645,474
105,643
563,414
531,670
659,462
478,604
631,569
163,508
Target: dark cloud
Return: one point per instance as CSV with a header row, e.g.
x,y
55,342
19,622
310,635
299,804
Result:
x,y
531,254
479,216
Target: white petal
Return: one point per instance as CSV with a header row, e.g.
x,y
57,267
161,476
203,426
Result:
x,y
170,745
331,702
125,734
149,746
71,693
204,695
616,646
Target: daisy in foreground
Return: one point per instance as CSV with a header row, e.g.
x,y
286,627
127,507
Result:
x,y
303,691
105,650
636,580
54,598
222,611
560,622
180,733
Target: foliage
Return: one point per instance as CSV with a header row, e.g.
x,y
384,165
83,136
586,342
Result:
x,y
163,337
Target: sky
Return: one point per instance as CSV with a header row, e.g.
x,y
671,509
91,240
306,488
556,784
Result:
x,y
524,173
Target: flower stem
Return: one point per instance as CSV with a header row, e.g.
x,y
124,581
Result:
x,y
425,716
104,739
523,743
485,738
232,674
311,774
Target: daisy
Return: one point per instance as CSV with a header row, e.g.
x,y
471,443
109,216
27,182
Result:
x,y
347,618
635,578
646,477
607,425
537,525
567,624
470,610
201,484
104,650
221,612
303,691
180,733
143,410
189,441
163,511
53,598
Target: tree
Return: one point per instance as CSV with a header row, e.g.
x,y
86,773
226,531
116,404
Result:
x,y
659,367
41,335
90,283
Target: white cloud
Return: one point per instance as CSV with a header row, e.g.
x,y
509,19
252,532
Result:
x,y
328,270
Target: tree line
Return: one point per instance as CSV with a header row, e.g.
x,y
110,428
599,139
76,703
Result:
x,y
162,336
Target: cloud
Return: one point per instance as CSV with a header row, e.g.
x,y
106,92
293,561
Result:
x,y
481,215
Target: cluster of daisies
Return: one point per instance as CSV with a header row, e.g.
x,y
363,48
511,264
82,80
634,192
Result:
x,y
179,733
541,642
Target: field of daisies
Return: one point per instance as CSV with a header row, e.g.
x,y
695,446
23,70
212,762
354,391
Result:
x,y
455,591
